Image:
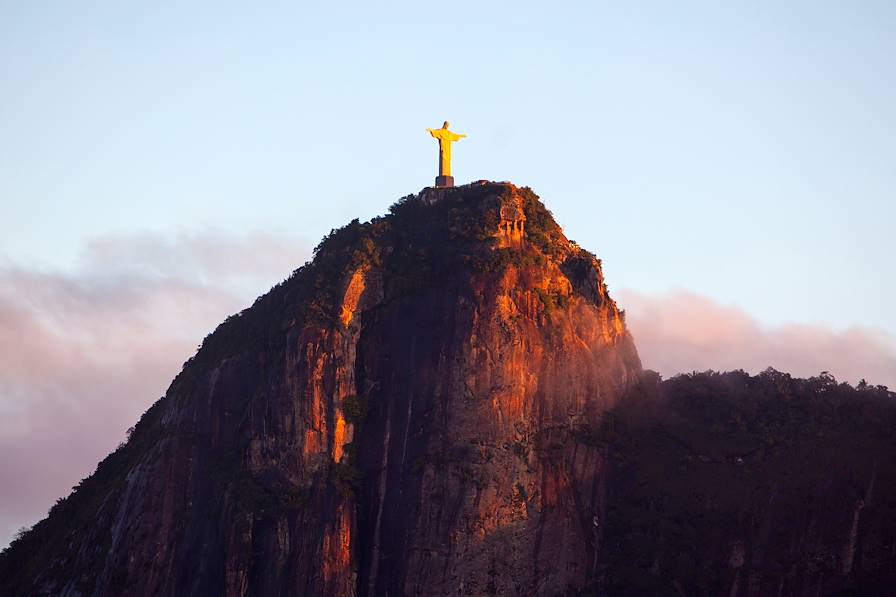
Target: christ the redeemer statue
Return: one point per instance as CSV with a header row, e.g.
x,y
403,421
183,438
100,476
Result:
x,y
446,138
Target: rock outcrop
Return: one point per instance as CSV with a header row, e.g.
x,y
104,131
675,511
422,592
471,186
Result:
x,y
399,417
446,401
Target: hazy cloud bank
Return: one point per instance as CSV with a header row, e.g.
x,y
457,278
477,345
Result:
x,y
84,353
682,332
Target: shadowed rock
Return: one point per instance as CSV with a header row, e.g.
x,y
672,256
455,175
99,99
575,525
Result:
x,y
433,406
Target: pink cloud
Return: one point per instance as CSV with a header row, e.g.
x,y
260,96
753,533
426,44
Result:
x,y
683,332
84,353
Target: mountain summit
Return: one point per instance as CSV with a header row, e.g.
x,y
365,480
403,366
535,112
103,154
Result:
x,y
447,401
397,417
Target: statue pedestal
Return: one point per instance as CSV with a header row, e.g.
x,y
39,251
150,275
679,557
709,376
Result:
x,y
444,181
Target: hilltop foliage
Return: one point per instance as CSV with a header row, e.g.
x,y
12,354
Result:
x,y
709,465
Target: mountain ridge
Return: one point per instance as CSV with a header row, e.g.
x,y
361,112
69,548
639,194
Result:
x,y
433,405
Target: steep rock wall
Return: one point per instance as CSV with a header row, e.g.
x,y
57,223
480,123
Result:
x,y
399,416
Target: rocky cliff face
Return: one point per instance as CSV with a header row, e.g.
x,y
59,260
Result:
x,y
399,417
447,401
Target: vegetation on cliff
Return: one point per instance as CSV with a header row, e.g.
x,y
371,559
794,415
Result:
x,y
768,482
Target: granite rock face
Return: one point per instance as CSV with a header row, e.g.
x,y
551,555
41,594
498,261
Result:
x,y
399,417
446,401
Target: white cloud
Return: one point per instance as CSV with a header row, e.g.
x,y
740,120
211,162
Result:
x,y
84,353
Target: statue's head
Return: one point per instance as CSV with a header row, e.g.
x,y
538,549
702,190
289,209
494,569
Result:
x,y
445,126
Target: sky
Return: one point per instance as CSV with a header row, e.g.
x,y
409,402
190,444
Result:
x,y
161,165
